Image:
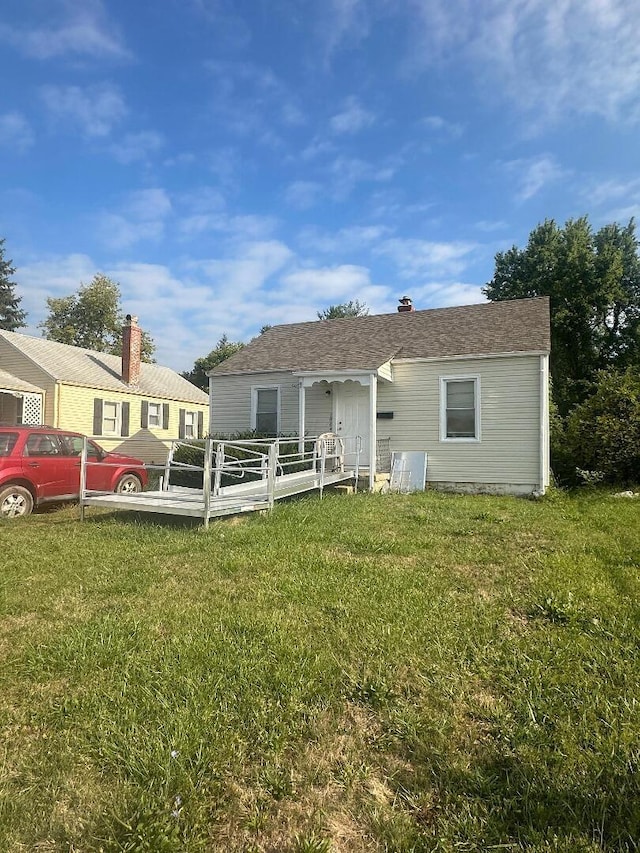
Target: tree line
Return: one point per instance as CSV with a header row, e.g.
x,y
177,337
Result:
x,y
592,278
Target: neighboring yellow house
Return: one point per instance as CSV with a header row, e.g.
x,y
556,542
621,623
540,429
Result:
x,y
124,403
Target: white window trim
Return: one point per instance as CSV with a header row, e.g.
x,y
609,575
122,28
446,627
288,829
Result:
x,y
462,377
149,424
254,404
118,405
194,414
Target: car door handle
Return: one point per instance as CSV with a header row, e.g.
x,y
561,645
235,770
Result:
x,y
34,464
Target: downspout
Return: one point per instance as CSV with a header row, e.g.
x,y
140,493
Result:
x,y
373,439
544,423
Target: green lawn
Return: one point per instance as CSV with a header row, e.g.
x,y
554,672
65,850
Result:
x,y
366,673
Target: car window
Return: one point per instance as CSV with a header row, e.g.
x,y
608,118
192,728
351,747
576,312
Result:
x,y
43,444
7,442
75,442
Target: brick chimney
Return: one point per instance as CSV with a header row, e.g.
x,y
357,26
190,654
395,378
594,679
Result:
x,y
405,304
131,350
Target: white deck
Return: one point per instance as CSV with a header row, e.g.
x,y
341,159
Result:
x,y
231,500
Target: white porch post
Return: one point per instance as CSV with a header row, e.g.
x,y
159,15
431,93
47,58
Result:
x,y
301,404
373,405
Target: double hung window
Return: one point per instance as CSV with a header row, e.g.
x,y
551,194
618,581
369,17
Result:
x,y
265,410
460,408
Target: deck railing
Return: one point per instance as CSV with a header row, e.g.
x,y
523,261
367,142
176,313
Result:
x,y
257,470
216,464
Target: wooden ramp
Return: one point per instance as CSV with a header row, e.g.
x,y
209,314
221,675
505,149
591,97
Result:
x,y
264,462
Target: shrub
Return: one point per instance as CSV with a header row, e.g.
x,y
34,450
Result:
x,y
603,433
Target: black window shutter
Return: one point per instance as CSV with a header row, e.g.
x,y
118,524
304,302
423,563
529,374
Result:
x,y
144,414
125,419
200,424
97,416
182,420
165,416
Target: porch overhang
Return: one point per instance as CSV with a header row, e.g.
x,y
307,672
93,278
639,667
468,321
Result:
x,y
308,378
367,378
26,404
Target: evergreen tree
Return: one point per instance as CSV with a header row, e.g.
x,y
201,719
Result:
x,y
352,308
11,316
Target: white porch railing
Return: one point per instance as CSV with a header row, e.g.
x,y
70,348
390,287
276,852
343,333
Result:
x,y
220,468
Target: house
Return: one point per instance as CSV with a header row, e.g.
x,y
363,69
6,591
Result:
x,y
467,385
123,402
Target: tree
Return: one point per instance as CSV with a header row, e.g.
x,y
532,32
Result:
x,y
352,308
91,318
224,349
593,281
11,316
603,433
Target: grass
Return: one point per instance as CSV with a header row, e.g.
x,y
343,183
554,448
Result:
x,y
368,673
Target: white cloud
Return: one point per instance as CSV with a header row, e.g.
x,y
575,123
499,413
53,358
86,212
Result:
x,y
15,132
352,118
94,110
533,174
488,225
80,29
416,258
247,270
328,283
142,217
443,126
303,195
606,192
347,172
550,59
342,22
446,294
50,276
345,241
250,99
134,147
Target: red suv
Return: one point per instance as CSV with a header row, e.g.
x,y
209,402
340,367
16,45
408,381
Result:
x,y
41,464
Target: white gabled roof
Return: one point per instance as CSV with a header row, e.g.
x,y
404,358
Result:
x,y
90,369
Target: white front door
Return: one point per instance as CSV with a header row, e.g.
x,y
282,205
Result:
x,y
352,419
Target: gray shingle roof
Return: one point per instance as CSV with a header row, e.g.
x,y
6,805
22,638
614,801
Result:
x,y
100,370
366,343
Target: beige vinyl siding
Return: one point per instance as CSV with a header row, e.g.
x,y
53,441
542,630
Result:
x,y
508,452
231,401
150,445
19,365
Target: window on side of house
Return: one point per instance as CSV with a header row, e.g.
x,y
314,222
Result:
x,y
460,408
265,410
191,424
155,415
110,417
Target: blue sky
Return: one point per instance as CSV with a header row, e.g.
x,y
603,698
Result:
x,y
233,163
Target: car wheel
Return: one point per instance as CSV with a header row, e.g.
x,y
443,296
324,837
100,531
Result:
x,y
15,501
128,484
